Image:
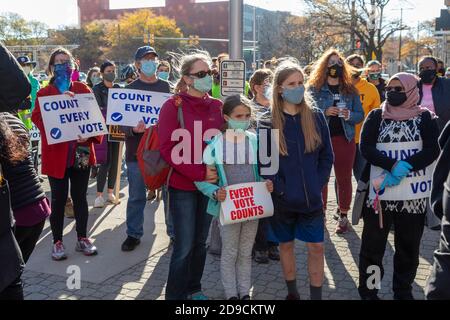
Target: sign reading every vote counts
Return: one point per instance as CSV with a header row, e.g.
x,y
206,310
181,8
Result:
x,y
126,107
65,118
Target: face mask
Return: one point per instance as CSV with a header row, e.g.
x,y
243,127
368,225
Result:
x,y
396,99
27,70
238,125
294,95
203,84
268,93
148,67
163,75
335,71
375,76
63,74
427,76
110,77
96,80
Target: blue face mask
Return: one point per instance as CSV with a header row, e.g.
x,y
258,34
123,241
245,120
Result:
x,y
238,125
163,75
203,84
63,74
294,95
268,92
148,67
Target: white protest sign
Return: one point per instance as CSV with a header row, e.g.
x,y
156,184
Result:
x,y
35,134
66,118
416,185
245,202
232,77
126,107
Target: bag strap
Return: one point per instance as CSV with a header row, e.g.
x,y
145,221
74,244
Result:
x,y
180,118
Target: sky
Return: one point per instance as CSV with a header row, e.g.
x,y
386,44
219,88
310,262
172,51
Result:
x,y
57,13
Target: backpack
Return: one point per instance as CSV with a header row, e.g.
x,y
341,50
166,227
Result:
x,y
155,170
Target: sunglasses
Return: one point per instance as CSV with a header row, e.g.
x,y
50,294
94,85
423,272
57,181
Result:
x,y
201,74
396,89
333,62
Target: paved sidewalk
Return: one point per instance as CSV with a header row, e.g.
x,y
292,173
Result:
x,y
142,274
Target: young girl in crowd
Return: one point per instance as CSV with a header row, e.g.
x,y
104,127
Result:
x,y
332,88
305,161
187,205
233,153
59,160
401,124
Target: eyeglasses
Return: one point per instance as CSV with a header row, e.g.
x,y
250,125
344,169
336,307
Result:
x,y
396,89
201,74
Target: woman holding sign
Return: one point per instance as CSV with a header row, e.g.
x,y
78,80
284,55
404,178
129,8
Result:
x,y
400,142
233,154
66,161
201,113
305,161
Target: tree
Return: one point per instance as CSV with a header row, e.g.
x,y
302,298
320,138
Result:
x,y
15,30
127,34
359,21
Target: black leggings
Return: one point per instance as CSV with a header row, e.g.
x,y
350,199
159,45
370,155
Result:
x,y
78,189
109,168
27,237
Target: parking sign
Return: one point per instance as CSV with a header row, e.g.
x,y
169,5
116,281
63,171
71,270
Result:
x,y
232,77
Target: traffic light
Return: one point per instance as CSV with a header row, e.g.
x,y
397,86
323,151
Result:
x,y
152,39
149,39
194,40
146,39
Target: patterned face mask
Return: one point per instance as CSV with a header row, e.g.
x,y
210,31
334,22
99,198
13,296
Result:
x,y
63,75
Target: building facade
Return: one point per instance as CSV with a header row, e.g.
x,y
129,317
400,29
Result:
x,y
442,34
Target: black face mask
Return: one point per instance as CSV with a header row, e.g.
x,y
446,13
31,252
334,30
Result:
x,y
396,99
335,71
427,76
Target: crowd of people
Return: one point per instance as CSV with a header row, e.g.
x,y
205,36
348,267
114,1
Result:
x,y
337,114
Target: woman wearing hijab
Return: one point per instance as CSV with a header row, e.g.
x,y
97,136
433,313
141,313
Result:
x,y
399,142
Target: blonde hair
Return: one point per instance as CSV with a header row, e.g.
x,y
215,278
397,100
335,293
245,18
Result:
x,y
307,119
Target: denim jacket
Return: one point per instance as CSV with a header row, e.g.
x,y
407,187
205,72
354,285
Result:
x,y
323,99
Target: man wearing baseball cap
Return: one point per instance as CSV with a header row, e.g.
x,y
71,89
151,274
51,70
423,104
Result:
x,y
146,62
28,67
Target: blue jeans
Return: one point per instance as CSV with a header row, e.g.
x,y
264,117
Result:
x,y
191,226
136,201
167,215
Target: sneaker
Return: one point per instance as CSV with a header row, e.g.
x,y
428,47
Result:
x,y
85,246
112,199
130,244
199,296
337,214
68,209
342,225
246,297
291,296
99,202
261,257
58,253
274,254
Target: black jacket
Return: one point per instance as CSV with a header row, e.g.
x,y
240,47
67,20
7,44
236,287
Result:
x,y
101,94
441,100
24,185
14,84
438,285
422,159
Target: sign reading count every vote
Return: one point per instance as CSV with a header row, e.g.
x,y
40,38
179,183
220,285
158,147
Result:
x,y
126,107
66,118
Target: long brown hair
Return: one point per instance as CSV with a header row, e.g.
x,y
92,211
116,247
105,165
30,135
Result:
x,y
307,119
51,61
319,75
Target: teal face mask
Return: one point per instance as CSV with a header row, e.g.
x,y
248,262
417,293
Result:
x,y
268,92
203,84
148,67
163,75
238,125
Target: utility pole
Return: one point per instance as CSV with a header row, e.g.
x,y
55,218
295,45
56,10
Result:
x,y
235,28
254,37
400,67
353,26
417,45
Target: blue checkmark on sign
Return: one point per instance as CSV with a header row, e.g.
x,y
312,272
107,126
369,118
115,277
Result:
x,y
116,117
56,133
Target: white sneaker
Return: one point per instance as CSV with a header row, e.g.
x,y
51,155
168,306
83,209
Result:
x,y
58,253
112,198
99,202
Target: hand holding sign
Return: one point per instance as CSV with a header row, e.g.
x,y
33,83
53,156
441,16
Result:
x,y
269,185
221,194
140,128
246,201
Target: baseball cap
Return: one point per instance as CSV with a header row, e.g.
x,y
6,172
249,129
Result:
x,y
142,51
24,60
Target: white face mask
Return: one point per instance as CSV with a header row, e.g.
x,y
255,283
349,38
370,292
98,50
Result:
x,y
27,69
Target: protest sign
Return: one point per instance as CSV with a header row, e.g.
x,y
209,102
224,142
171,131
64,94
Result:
x,y
35,135
245,202
126,107
416,185
116,135
66,118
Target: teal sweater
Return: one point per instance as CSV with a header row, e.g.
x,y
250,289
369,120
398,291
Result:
x,y
213,155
